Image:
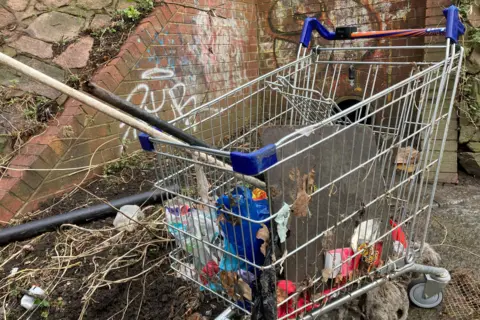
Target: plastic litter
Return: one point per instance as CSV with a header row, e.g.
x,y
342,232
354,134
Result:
x,y
13,271
336,260
285,288
126,221
365,232
406,159
202,224
240,231
399,239
27,301
282,222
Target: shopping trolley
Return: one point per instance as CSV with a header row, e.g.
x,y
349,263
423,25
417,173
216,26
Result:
x,y
324,202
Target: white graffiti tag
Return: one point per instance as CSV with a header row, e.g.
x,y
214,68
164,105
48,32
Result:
x,y
176,95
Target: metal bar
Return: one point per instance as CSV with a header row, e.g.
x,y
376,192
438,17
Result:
x,y
102,107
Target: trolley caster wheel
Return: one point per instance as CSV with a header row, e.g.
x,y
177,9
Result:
x,y
415,294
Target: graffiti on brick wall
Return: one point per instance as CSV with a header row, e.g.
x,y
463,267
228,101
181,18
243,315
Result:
x,y
175,94
220,41
285,21
215,49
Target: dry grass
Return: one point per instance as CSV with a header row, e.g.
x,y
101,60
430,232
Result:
x,y
99,255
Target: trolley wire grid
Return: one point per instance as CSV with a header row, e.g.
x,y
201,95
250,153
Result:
x,y
341,204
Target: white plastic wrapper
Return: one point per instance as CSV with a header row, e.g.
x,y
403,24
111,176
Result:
x,y
125,220
186,224
365,232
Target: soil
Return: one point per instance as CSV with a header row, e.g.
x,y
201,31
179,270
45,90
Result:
x,y
164,295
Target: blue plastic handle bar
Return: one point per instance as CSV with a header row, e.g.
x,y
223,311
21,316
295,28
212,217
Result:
x,y
454,29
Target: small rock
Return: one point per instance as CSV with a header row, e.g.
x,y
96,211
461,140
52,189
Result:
x,y
28,247
6,18
28,302
470,162
55,27
56,3
100,21
466,133
474,146
474,16
34,47
93,4
76,55
17,5
473,62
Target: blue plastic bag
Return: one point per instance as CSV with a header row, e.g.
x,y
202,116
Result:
x,y
241,234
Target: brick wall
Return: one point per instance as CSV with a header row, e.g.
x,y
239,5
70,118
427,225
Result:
x,y
177,58
181,57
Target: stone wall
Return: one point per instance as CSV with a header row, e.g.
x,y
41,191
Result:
x,y
469,107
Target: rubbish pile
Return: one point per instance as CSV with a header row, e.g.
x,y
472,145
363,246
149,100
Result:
x,y
199,230
240,240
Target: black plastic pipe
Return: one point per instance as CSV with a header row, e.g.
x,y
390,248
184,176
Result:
x,y
34,228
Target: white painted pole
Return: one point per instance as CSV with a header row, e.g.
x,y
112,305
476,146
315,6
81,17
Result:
x,y
112,112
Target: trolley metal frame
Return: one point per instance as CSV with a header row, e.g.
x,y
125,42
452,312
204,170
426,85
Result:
x,y
409,117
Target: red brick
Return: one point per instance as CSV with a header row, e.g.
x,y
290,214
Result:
x,y
71,127
23,160
149,30
160,16
114,73
144,34
130,61
120,64
33,205
33,149
22,190
105,80
172,28
5,215
89,111
167,12
138,43
157,25
26,174
72,104
10,202
177,18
